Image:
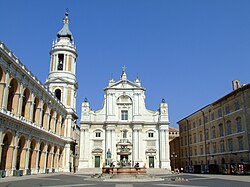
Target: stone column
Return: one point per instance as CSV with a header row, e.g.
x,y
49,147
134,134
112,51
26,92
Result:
x,y
27,156
67,160
45,157
20,101
113,148
31,108
108,140
37,158
135,145
57,161
14,156
84,148
1,142
59,126
52,158
48,116
164,147
167,149
40,107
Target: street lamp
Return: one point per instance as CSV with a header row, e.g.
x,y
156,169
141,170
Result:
x,y
174,155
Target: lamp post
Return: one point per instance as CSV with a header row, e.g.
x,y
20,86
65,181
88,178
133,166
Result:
x,y
174,155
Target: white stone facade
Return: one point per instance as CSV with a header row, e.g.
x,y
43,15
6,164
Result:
x,y
125,128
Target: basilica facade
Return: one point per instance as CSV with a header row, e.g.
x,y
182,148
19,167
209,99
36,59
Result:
x,y
124,132
38,121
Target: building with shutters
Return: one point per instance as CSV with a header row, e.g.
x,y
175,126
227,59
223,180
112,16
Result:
x,y
215,138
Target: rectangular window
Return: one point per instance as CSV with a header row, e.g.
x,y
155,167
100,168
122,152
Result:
x,y
222,147
124,115
214,147
201,137
208,148
237,106
98,134
221,130
193,124
194,137
219,113
212,116
190,139
229,128
199,121
150,134
240,143
207,134
213,132
201,150
230,145
227,109
190,151
206,119
239,127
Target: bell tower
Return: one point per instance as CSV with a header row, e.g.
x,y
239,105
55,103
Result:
x,y
63,83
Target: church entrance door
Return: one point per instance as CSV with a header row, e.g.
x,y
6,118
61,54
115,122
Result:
x,y
151,162
97,161
124,160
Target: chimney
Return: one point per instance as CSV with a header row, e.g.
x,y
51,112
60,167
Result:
x,y
236,84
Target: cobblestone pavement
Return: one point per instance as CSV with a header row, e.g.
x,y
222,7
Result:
x,y
77,180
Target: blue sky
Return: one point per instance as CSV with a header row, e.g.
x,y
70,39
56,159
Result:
x,y
185,51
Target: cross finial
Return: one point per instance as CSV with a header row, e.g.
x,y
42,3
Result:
x,y
124,76
123,68
67,12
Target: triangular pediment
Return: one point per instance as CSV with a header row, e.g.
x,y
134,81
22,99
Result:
x,y
124,84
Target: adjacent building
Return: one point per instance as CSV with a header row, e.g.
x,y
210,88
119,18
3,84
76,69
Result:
x,y
215,138
37,121
174,144
124,132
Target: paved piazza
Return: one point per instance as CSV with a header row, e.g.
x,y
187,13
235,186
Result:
x,y
77,180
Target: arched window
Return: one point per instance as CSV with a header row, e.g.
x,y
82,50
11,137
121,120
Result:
x,y
50,126
44,123
124,134
26,95
60,62
36,103
58,94
12,92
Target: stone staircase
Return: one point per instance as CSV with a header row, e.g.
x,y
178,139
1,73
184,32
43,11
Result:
x,y
90,171
158,171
